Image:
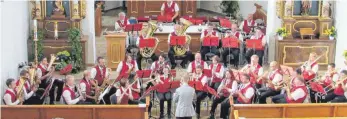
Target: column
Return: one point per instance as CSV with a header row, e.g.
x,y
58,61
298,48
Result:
x,y
273,22
88,28
340,25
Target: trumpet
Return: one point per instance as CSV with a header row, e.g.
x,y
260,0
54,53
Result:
x,y
306,64
337,83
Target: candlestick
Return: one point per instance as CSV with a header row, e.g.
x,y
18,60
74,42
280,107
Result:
x,y
56,30
35,30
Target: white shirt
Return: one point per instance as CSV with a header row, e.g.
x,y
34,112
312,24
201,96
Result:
x,y
260,71
27,95
117,26
277,78
120,66
263,40
190,67
234,34
67,97
233,86
8,100
297,94
163,6
83,86
203,34
249,92
249,23
93,72
39,72
153,65
220,74
204,79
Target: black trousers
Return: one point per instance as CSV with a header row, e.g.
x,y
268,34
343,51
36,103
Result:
x,y
199,97
139,58
332,97
165,97
225,106
56,83
183,117
206,49
215,103
266,92
281,98
108,95
187,57
251,52
215,86
234,52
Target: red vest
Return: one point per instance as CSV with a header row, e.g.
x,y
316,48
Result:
x,y
163,88
125,98
125,67
13,95
213,33
229,85
243,91
194,66
253,80
272,76
26,85
245,26
123,24
216,79
43,70
237,34
156,65
88,86
100,75
135,94
169,10
329,79
308,76
300,100
72,93
339,89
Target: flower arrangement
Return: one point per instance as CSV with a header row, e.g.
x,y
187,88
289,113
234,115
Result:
x,y
345,54
282,32
66,70
331,32
67,63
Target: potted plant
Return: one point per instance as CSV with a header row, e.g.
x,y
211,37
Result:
x,y
331,32
281,32
230,8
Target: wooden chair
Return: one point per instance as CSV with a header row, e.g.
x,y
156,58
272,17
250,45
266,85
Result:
x,y
306,32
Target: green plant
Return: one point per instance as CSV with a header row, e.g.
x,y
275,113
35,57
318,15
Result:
x,y
40,37
345,54
331,32
230,8
74,36
282,32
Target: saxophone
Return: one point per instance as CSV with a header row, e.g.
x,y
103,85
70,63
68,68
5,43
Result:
x,y
181,50
104,84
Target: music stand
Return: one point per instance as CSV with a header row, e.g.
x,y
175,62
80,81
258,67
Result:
x,y
225,23
147,43
177,40
207,72
164,18
210,90
143,74
254,44
210,42
231,42
122,76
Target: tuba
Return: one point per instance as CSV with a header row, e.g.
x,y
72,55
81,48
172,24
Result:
x,y
181,50
20,87
148,52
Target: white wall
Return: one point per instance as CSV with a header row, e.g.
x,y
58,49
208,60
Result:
x,y
273,22
14,36
340,24
88,28
112,4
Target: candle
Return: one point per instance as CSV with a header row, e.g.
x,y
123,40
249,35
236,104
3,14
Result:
x,y
56,30
75,2
35,30
35,23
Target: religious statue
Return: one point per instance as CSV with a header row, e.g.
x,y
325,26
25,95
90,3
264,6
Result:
x,y
305,7
59,6
325,9
288,8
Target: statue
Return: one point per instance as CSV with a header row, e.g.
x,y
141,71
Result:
x,y
288,8
325,9
58,6
305,7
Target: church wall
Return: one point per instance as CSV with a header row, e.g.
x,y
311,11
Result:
x,y
112,4
273,22
340,24
88,28
14,35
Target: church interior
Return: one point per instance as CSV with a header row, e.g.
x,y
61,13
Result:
x,y
173,59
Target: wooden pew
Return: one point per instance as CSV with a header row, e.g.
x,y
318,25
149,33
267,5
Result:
x,y
288,110
75,111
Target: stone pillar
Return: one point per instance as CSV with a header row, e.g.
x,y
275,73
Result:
x,y
340,24
273,22
88,28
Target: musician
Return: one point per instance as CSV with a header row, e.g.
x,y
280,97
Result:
x,y
46,75
310,67
139,55
340,89
247,24
200,95
171,54
122,22
289,82
217,72
158,66
86,87
164,94
69,96
331,76
10,97
184,96
259,35
254,70
124,92
273,80
99,72
225,89
197,62
244,95
170,8
209,32
136,90
128,65
296,93
233,33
